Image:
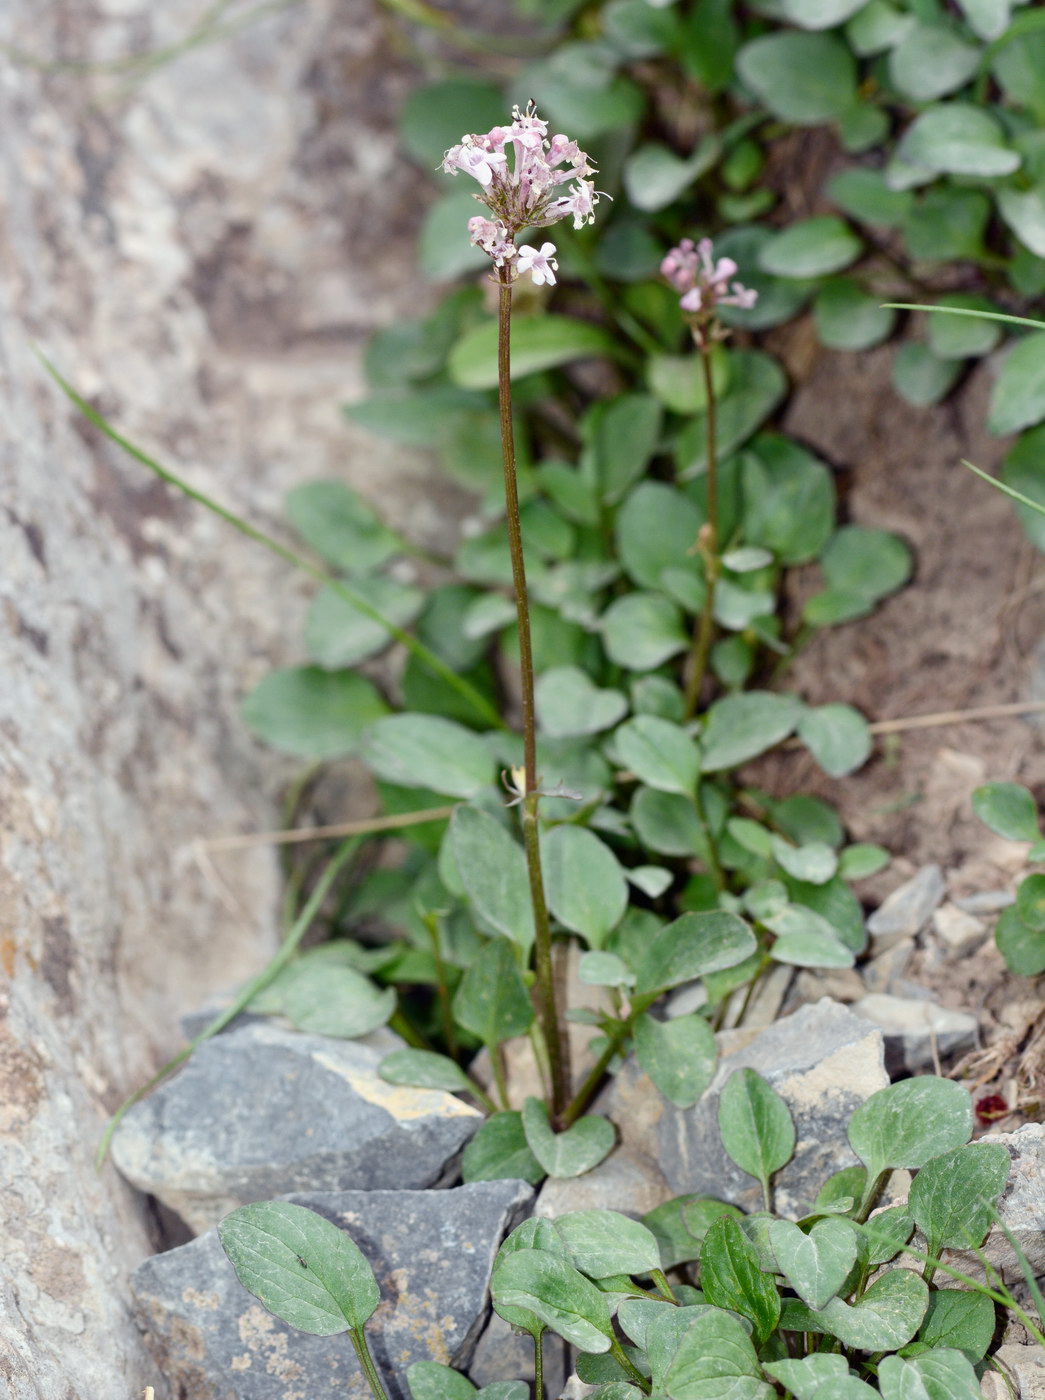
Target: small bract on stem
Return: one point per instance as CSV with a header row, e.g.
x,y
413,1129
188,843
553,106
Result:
x,y
520,172
705,284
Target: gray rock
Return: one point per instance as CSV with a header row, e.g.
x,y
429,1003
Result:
x,y
575,1389
957,929
627,1180
432,1254
1022,1209
986,902
823,1060
502,1354
910,1027
884,972
1022,1373
262,1111
839,983
908,909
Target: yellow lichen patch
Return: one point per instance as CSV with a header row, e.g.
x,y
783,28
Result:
x,y
241,1363
209,1301
401,1102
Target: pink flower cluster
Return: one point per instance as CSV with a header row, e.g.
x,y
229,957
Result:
x,y
704,283
519,171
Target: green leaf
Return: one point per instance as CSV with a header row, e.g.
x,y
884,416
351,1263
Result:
x,y
730,1278
584,882
816,863
802,78
656,528
498,1152
866,563
643,630
1024,212
654,176
778,298
740,727
1030,902
624,436
678,1055
1023,470
680,1226
445,250
302,1267
667,823
811,248
756,1126
932,60
436,116
493,872
816,1264
1018,400
921,377
861,860
960,139
659,753
789,499
491,999
937,1375
431,1380
538,343
836,903
568,703
822,1371
677,381
428,751
848,319
338,634
886,1317
423,1069
338,524
709,43
953,1195
714,1360
604,970
958,337
757,387
331,1000
907,1123
556,1293
577,88
312,713
691,947
863,194
837,736
884,1235
959,1319
570,1153
947,223
805,938
819,14
604,1242
1022,948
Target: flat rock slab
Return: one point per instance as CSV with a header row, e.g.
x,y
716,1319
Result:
x,y
823,1060
432,1254
262,1111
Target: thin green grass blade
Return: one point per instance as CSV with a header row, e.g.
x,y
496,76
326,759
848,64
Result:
x,y
428,658
279,960
1025,1268
964,311
1006,490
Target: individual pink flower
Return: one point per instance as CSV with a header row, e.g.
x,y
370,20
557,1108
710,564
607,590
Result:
x,y
704,282
539,263
519,171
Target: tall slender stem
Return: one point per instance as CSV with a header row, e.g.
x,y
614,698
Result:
x,y
366,1361
538,1365
548,1001
707,544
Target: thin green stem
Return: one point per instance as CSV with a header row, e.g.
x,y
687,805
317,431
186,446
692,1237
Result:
x,y
285,952
585,1093
538,1365
623,1359
431,923
707,543
711,849
428,658
366,1361
547,998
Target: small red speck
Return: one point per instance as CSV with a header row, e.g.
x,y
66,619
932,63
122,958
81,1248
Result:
x,y
992,1107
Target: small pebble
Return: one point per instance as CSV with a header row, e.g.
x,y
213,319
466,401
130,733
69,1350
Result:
x,y
987,902
959,930
908,909
910,1027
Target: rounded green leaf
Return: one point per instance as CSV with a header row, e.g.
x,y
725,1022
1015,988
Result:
x,y
602,1243
569,1153
656,528
960,1319
805,938
942,1374
757,385
428,751
654,176
957,138
906,1124
568,703
866,563
499,1152
1022,948
789,499
932,60
305,1270
848,319
312,713
338,634
584,882
431,1380
837,736
811,248
820,14
1030,902
802,78
1023,470
643,630
659,753
436,116
492,869
335,1001
1024,212
921,377
861,860
886,1317
714,1359
491,1000
557,1294
863,194
604,970
624,435
756,1125
1018,400
815,862
678,1055
538,342
691,947
445,250
816,1264
959,337
953,1195
666,823
678,380
423,1069
338,524
740,727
